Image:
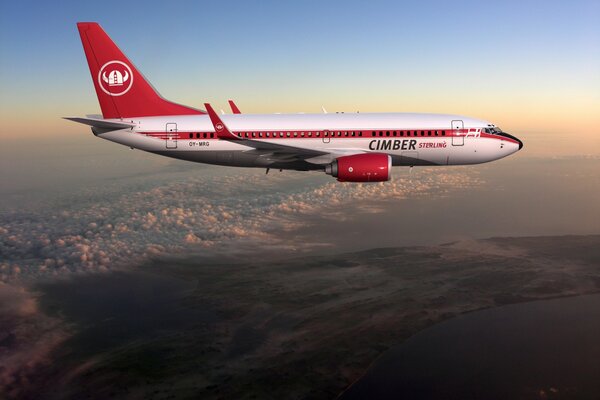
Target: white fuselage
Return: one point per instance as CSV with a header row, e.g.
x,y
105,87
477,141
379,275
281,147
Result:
x,y
409,138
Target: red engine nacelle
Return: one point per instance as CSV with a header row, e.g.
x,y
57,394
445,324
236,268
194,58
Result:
x,y
367,167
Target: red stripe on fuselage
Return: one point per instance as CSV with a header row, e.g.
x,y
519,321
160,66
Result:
x,y
341,134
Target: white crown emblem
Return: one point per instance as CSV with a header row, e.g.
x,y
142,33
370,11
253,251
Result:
x,y
219,126
115,78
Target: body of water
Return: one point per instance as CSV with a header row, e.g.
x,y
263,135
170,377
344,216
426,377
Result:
x,y
540,350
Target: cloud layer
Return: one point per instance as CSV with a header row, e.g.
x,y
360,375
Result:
x,y
101,229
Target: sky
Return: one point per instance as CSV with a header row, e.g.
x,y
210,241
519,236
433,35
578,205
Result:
x,y
72,202
66,196
528,66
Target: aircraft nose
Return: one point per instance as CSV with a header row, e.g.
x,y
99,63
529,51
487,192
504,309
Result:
x,y
514,138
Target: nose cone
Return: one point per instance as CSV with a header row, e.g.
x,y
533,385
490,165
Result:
x,y
520,143
514,138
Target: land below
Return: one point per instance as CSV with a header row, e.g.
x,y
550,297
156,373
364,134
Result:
x,y
287,327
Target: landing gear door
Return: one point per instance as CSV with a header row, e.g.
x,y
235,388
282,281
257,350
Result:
x,y
171,135
458,132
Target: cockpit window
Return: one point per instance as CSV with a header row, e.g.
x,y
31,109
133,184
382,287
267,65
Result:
x,y
494,130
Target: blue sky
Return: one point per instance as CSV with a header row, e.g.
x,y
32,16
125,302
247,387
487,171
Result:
x,y
505,60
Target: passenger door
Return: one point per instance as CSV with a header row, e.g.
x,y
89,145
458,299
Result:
x,y
458,135
171,135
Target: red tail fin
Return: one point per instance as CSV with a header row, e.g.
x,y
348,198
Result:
x,y
122,90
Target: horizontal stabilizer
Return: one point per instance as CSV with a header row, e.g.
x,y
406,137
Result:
x,y
102,124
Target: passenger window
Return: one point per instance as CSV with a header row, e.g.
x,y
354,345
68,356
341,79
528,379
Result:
x,y
212,135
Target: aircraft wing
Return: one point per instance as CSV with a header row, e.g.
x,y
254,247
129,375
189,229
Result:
x,y
280,153
273,151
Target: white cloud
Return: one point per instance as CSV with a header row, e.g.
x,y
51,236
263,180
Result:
x,y
98,232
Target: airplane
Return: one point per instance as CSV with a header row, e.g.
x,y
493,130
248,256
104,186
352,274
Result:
x,y
352,147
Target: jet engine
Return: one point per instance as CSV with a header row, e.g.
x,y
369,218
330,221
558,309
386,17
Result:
x,y
366,167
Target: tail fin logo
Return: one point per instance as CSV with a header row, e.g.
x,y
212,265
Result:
x,y
115,78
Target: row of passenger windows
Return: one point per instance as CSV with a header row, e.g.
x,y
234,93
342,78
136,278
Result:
x,y
409,133
206,135
299,134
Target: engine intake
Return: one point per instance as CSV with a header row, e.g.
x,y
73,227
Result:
x,y
367,167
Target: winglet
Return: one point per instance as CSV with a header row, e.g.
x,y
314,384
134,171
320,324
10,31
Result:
x,y
234,108
221,129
